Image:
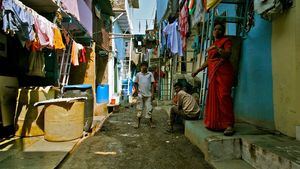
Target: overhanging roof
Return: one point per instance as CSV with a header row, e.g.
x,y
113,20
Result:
x,y
105,6
122,19
41,6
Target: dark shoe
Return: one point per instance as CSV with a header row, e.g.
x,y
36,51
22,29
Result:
x,y
229,131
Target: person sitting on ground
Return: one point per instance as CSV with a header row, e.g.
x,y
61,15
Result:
x,y
186,106
144,91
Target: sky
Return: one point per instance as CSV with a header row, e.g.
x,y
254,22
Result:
x,y
146,12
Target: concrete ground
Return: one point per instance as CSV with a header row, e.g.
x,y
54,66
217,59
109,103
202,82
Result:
x,y
118,145
36,152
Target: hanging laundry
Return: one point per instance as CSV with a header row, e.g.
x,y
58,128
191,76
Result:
x,y
209,4
191,7
36,60
82,57
17,20
66,36
174,42
44,30
81,53
198,15
58,42
51,66
184,25
196,45
74,54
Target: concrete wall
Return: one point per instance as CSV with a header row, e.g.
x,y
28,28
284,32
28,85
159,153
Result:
x,y
286,70
253,95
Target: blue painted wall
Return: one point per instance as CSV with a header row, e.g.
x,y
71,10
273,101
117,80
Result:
x,y
119,42
254,94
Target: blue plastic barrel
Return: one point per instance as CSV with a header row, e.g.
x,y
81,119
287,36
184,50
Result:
x,y
102,95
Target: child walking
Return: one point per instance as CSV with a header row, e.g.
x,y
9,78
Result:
x,y
144,91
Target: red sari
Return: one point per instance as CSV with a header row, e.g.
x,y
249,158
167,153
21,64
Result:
x,y
219,107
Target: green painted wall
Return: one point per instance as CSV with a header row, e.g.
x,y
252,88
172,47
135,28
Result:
x,y
286,70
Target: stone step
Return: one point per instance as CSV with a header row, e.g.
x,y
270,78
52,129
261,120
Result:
x,y
231,164
259,148
214,145
271,151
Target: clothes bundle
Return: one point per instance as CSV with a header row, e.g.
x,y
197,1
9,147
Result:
x,y
36,33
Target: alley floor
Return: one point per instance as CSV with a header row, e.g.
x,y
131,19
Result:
x,y
119,145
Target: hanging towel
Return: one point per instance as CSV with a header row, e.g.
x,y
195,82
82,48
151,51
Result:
x,y
74,54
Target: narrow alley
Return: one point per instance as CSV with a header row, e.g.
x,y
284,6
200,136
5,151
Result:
x,y
149,84
119,145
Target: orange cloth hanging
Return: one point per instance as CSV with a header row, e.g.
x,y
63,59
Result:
x,y
74,54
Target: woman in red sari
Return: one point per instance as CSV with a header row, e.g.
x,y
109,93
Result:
x,y
219,107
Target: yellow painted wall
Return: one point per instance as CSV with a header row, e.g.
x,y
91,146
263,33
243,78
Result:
x,y
286,70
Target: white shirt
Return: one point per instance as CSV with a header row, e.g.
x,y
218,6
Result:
x,y
174,42
145,81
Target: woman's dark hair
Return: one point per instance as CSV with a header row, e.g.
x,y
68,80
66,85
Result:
x,y
144,63
178,84
222,26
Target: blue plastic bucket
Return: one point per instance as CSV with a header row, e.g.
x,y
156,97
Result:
x,y
102,95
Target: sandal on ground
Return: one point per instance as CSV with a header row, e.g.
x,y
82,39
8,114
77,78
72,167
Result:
x,y
229,131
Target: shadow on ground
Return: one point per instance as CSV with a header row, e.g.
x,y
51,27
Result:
x,y
119,146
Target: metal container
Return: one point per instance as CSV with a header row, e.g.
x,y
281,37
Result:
x,y
83,90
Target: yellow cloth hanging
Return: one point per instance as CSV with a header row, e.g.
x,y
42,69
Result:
x,y
211,4
58,42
